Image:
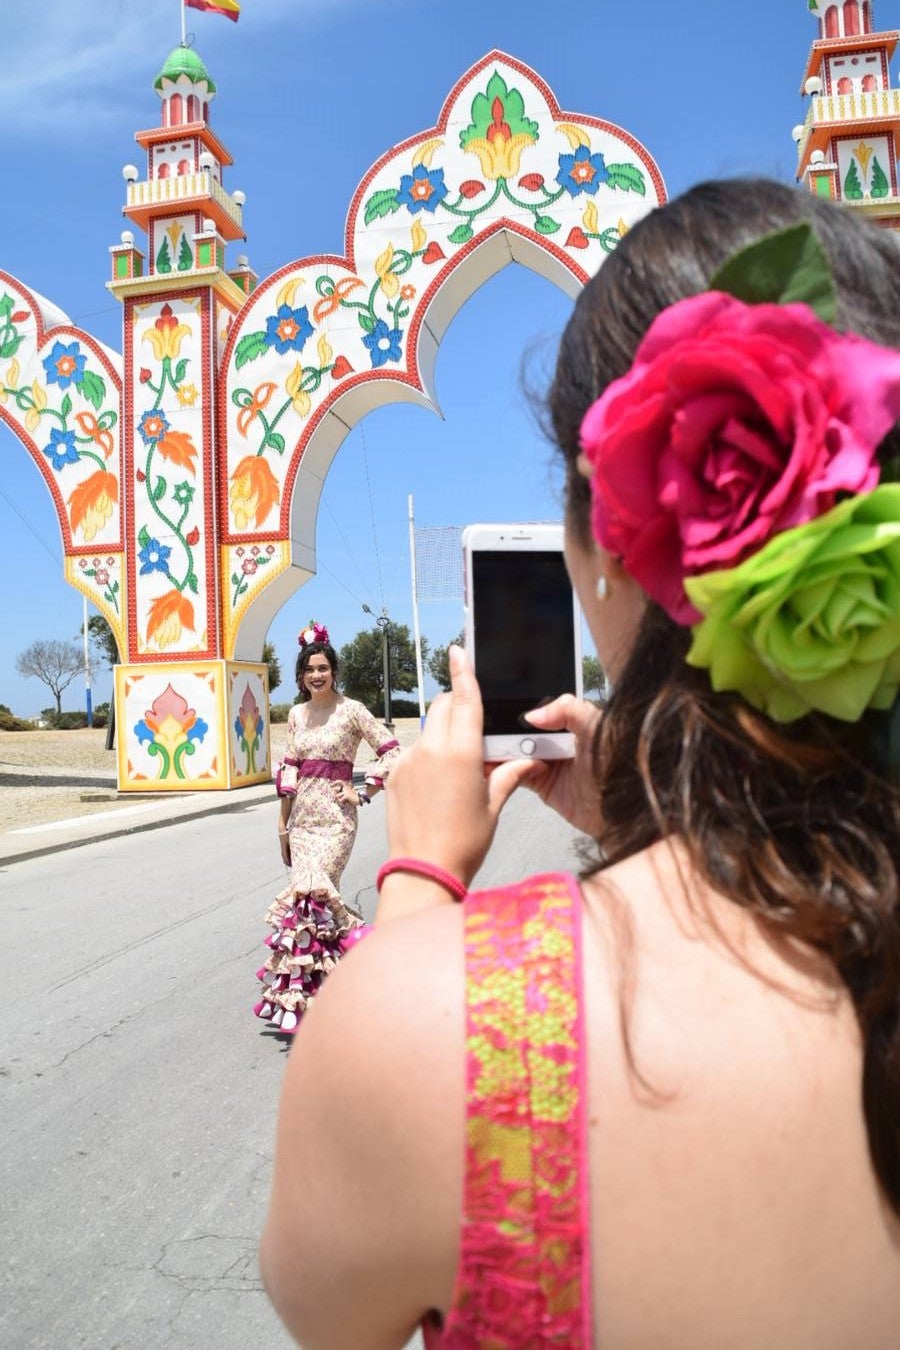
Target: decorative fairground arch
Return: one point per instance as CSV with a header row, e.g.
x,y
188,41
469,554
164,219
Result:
x,y
187,473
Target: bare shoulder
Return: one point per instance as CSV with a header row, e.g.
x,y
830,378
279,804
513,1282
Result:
x,y
397,991
374,1094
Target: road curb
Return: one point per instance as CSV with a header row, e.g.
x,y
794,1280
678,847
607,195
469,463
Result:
x,y
238,801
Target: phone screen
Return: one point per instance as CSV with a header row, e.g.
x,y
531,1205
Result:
x,y
524,631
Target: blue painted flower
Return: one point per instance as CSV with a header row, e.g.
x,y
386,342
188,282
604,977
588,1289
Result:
x,y
581,172
198,730
153,426
65,365
383,343
288,330
143,732
423,189
154,557
61,449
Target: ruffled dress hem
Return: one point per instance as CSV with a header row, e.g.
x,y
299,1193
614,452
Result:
x,y
311,930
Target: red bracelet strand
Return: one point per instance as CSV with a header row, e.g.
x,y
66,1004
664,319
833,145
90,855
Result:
x,y
430,871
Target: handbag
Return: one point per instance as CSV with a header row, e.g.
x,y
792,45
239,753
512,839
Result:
x,y
287,777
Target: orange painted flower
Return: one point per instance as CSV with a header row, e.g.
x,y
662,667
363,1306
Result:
x,y
258,400
332,301
178,447
169,615
254,491
92,503
99,435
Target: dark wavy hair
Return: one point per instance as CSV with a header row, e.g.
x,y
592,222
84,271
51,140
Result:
x,y
303,659
794,822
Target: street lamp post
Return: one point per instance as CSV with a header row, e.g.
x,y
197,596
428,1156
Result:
x,y
384,624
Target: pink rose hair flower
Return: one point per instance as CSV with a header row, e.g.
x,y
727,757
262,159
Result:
x,y
313,632
734,423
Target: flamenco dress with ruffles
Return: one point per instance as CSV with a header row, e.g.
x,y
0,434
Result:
x,y
311,926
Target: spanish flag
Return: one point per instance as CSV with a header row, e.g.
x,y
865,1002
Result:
x,y
230,8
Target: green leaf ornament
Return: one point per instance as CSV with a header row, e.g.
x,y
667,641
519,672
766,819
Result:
x,y
627,178
93,388
786,267
810,623
383,203
249,348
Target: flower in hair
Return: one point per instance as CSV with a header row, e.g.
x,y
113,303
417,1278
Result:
x,y
811,622
313,632
735,471
734,423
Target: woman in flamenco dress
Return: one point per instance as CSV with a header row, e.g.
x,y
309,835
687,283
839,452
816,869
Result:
x,y
316,830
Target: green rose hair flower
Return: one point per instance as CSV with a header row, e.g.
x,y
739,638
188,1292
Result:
x,y
810,623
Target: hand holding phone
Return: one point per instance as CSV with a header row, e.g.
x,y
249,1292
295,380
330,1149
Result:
x,y
523,634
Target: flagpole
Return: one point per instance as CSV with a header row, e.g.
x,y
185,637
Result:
x,y
417,635
183,25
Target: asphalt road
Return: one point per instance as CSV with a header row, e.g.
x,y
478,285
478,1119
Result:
x,y
137,1091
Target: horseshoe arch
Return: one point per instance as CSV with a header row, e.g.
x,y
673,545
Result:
x,y
186,474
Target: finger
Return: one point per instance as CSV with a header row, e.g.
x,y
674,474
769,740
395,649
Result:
x,y
505,778
466,712
437,719
571,713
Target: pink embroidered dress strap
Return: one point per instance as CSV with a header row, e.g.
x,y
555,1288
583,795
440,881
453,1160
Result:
x,y
524,1274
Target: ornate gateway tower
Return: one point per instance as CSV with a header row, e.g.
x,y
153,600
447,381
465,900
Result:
x,y
848,145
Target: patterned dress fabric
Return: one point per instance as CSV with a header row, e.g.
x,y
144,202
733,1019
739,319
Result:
x,y
311,926
524,1274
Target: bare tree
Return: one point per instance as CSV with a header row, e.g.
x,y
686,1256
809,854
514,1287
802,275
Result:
x,y
55,663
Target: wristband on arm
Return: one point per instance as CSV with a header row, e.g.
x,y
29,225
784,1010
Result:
x,y
420,868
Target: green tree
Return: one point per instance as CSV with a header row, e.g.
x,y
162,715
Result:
x,y
362,665
592,675
54,663
103,640
185,256
271,660
439,662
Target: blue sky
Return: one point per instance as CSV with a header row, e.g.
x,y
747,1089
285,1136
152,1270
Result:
x,y
310,94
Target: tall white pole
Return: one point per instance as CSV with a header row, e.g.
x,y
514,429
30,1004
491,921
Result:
x,y
87,662
183,25
415,604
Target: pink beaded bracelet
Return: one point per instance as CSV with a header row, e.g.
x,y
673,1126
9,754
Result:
x,y
430,871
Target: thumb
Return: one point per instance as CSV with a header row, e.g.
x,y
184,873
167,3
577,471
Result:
x,y
512,774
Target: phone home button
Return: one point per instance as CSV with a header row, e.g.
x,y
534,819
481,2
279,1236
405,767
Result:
x,y
528,745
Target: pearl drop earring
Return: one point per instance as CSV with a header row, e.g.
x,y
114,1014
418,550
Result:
x,y
602,586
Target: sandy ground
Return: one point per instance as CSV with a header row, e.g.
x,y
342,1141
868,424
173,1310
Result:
x,y
57,775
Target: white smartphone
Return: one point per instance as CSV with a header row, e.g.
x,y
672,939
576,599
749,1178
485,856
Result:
x,y
522,632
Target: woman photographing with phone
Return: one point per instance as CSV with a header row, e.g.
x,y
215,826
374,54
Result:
x,y
317,826
657,1104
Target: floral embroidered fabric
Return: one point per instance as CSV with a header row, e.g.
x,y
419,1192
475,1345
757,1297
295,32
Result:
x,y
524,1275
